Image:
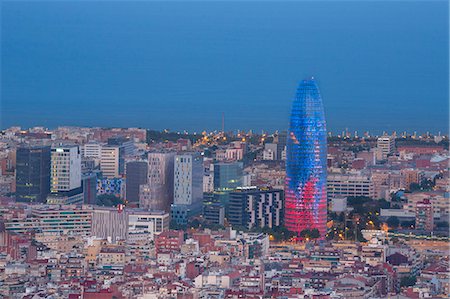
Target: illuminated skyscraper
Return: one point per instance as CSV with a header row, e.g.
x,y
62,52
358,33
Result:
x,y
306,162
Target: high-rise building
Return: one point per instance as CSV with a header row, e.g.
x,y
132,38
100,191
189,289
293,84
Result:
x,y
112,161
256,207
65,168
65,175
126,143
306,162
157,194
281,144
92,149
136,175
424,215
386,145
89,184
32,173
188,187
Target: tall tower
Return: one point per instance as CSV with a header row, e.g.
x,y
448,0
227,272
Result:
x,y
306,162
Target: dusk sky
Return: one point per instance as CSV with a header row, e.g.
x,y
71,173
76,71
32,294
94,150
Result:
x,y
380,65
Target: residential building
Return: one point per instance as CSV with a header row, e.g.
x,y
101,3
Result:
x,y
251,207
424,215
386,145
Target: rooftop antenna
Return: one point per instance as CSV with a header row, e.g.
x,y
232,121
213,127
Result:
x,y
223,122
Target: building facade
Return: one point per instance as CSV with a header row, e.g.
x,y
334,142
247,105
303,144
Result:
x,y
32,173
188,187
157,194
136,175
306,162
256,207
345,185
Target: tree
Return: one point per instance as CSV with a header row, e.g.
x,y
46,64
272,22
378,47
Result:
x,y
306,233
393,222
408,281
315,234
108,200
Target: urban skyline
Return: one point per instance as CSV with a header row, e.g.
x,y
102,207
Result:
x,y
224,149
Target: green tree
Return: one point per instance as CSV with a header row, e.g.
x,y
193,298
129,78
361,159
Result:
x,y
108,200
315,234
408,281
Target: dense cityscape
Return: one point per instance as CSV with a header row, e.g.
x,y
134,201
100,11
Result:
x,y
296,213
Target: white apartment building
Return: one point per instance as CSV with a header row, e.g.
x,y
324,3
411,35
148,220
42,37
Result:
x,y
92,150
188,179
111,161
65,168
350,184
386,144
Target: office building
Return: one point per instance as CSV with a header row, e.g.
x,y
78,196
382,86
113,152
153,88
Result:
x,y
157,194
93,150
65,175
386,145
89,184
112,161
270,151
280,140
136,175
306,162
214,213
256,207
344,185
32,173
188,187
63,220
126,143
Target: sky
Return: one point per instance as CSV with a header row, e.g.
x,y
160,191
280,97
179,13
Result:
x,y
380,65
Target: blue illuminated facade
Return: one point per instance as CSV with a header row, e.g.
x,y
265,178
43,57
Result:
x,y
306,162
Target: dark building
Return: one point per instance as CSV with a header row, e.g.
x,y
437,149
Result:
x,y
136,175
281,143
256,207
125,143
227,177
214,213
32,173
89,184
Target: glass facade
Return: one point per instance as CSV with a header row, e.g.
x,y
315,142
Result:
x,y
32,174
306,158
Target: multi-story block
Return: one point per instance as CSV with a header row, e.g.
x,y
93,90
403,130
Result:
x,y
424,215
136,175
157,194
344,185
65,175
32,173
112,161
386,145
188,187
256,207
